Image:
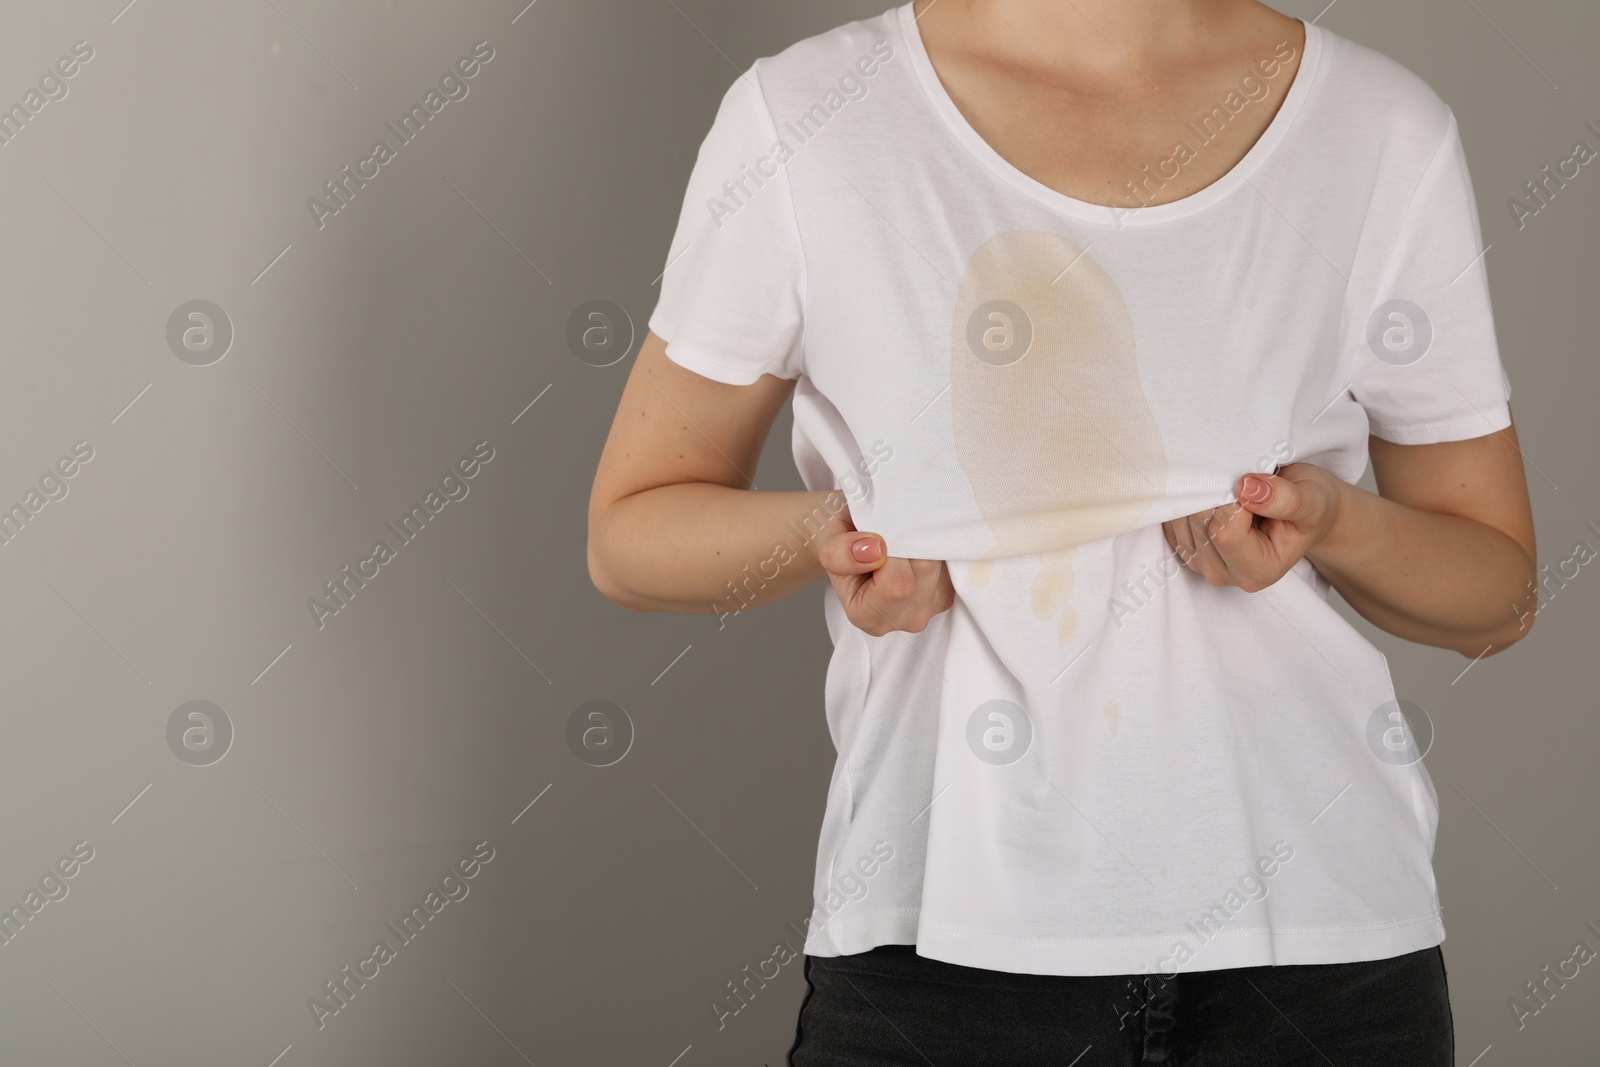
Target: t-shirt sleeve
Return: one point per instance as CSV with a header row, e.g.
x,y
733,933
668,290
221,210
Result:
x,y
1428,368
733,295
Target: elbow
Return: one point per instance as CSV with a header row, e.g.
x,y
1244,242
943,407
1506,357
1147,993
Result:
x,y
1517,623
1484,645
1524,610
603,580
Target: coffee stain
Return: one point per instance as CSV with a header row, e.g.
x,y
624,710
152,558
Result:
x,y
1113,712
1059,445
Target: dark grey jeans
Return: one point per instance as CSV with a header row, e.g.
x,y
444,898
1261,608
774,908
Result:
x,y
889,1006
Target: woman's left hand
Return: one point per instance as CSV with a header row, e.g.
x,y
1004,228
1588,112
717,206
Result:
x,y
1275,521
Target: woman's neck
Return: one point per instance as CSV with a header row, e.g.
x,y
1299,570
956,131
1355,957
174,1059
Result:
x,y
1101,42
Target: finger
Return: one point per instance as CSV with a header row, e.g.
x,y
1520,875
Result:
x,y
1182,539
926,572
895,583
881,595
1243,550
852,552
904,594
944,589
1225,526
933,594
1208,561
1272,496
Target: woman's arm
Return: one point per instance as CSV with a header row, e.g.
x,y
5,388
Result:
x,y
675,523
672,517
1443,554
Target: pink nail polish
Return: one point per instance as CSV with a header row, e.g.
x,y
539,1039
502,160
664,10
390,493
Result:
x,y
866,550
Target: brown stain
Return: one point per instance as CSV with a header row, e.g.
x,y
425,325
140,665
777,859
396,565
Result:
x,y
1113,712
1060,446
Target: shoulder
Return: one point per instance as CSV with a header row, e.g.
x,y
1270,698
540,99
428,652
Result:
x,y
1380,99
800,89
838,59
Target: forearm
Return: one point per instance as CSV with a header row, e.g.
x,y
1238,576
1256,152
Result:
x,y
702,548
1434,578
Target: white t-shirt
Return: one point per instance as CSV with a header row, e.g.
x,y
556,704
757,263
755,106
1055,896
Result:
x,y
1095,762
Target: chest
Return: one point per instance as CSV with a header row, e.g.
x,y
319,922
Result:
x,y
1040,379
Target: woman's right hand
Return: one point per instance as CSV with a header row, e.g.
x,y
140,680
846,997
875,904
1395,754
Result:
x,y
881,593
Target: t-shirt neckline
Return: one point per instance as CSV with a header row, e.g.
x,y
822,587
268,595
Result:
x,y
1105,214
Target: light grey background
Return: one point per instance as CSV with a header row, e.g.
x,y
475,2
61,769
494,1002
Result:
x,y
372,353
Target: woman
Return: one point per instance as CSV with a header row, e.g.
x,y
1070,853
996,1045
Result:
x,y
1092,313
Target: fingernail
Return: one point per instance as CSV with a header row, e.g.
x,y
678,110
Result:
x,y
867,550
1256,490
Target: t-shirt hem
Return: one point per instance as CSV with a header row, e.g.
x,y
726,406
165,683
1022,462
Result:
x,y
1253,947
